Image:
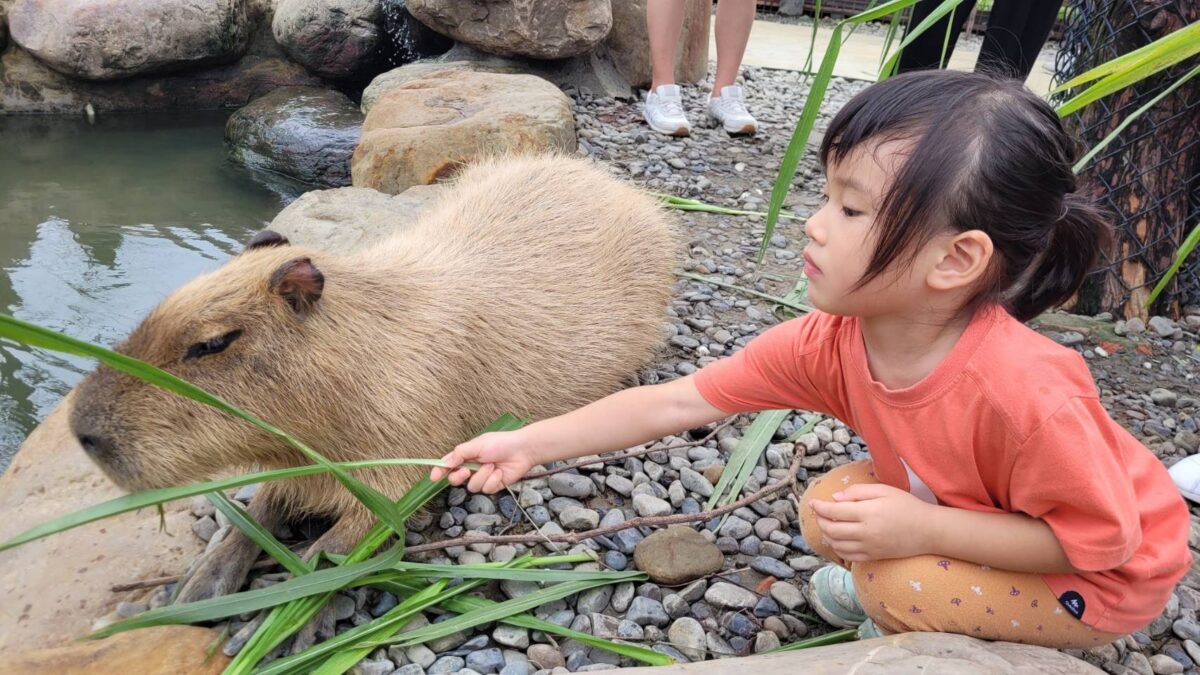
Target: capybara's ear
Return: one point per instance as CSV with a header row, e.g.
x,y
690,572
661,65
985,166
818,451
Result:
x,y
265,239
300,283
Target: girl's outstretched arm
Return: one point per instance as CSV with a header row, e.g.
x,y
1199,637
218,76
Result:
x,y
624,419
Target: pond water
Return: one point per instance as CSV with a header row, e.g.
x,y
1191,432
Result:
x,y
98,222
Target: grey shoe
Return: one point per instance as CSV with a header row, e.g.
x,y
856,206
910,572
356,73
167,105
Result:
x,y
831,594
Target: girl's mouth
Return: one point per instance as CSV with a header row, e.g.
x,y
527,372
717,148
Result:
x,y
810,268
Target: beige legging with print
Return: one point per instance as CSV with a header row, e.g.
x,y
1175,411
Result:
x,y
930,593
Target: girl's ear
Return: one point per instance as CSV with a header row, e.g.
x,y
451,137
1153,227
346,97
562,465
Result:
x,y
962,260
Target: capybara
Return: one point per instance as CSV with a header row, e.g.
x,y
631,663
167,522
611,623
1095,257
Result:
x,y
534,286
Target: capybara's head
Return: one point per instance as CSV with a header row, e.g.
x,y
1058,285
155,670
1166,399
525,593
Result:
x,y
230,332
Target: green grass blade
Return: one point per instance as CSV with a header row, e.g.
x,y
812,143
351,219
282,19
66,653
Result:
x,y
809,426
808,115
1129,119
37,336
747,291
139,500
468,603
258,534
946,7
492,613
812,41
1185,249
320,581
1170,52
833,638
889,38
1173,42
343,660
685,204
745,456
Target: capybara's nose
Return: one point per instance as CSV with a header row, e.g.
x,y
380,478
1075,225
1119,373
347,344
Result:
x,y
97,447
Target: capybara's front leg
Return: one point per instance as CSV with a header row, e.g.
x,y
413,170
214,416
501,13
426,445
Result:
x,y
339,539
223,570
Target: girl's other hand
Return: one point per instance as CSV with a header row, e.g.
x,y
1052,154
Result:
x,y
503,456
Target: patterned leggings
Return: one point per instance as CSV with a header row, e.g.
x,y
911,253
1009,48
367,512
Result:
x,y
929,593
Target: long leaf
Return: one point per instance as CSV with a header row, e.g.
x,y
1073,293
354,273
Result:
x,y
37,336
799,307
831,638
468,603
493,613
808,115
946,7
1185,249
1155,57
139,500
1129,119
1173,40
258,534
313,583
745,456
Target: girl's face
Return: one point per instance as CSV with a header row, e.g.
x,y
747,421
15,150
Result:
x,y
841,235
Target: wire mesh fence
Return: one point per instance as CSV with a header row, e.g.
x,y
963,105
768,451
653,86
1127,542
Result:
x,y
1149,177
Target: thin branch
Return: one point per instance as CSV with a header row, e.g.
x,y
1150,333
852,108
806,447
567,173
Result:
x,y
265,563
576,537
626,455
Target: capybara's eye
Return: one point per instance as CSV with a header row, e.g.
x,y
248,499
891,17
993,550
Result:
x,y
212,346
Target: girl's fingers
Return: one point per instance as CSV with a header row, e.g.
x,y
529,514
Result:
x,y
494,483
459,476
480,477
451,459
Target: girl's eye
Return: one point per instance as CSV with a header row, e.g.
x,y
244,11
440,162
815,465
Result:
x,y
212,346
850,213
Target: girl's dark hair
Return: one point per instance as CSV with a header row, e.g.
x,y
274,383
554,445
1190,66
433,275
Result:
x,y
984,154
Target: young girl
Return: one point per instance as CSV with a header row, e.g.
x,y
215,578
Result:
x,y
1000,500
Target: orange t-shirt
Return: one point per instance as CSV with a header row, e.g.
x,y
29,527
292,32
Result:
x,y
1009,421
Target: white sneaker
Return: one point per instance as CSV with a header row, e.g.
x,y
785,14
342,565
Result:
x,y
664,111
1186,474
730,110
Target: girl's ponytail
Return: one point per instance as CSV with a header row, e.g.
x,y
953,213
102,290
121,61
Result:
x,y
1077,240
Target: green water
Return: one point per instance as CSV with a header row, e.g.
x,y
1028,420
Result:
x,y
98,222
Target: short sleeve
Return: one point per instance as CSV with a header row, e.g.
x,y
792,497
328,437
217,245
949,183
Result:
x,y
1070,474
775,370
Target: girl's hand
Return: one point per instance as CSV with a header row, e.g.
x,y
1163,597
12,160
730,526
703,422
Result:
x,y
875,522
504,457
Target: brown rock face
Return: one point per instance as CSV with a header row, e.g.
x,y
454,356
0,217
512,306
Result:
x,y
332,38
677,555
541,29
29,86
163,650
53,589
114,39
423,130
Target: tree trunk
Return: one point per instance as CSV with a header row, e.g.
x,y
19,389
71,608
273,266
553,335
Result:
x,y
1148,177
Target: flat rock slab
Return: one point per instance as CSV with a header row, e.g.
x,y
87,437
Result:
x,y
54,589
163,650
542,29
905,654
425,129
345,219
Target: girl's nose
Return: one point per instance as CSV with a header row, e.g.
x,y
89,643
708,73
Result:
x,y
813,228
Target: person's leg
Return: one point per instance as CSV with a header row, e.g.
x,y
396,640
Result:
x,y
831,589
734,20
925,51
664,20
930,593
1016,31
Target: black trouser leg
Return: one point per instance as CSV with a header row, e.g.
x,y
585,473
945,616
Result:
x,y
926,50
1016,31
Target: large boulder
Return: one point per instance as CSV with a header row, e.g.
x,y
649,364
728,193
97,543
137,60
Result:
x,y
28,86
114,39
53,589
628,44
423,130
541,29
307,133
385,82
162,650
345,219
332,38
904,654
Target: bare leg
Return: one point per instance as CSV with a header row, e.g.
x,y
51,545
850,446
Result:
x,y
223,570
734,20
664,20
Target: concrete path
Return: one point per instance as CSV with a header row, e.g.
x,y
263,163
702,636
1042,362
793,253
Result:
x,y
785,46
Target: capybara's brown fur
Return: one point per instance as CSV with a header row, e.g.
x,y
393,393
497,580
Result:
x,y
536,285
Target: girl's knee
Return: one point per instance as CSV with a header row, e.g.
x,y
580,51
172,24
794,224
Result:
x,y
822,488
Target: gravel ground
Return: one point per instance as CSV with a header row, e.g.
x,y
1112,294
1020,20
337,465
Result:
x,y
755,602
